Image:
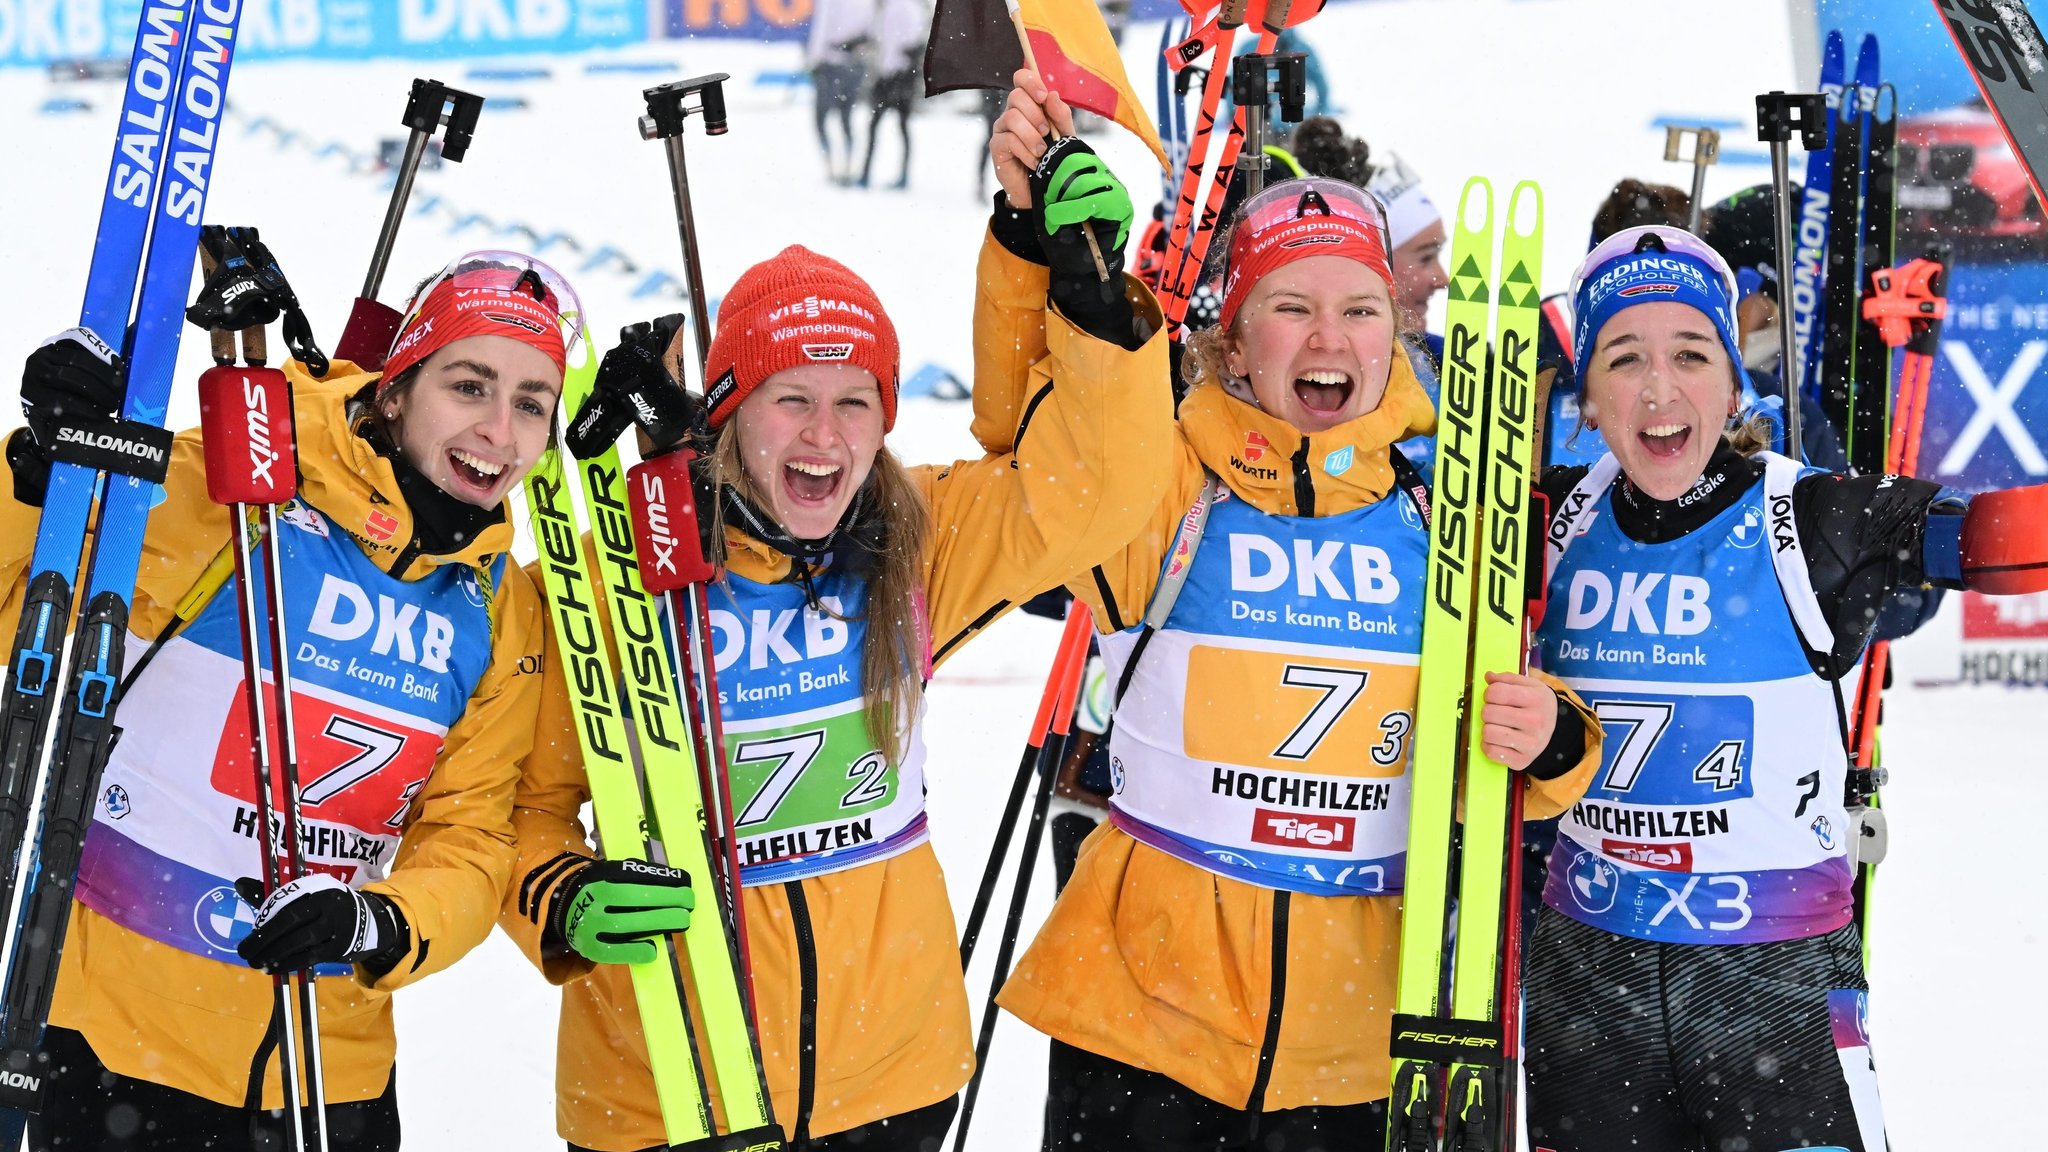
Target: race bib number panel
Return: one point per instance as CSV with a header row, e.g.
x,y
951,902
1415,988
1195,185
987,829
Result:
x,y
1296,713
355,769
806,776
1661,749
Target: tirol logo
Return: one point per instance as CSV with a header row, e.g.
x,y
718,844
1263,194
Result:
x,y
1668,857
1255,445
1593,882
1297,830
223,918
380,525
829,351
1339,462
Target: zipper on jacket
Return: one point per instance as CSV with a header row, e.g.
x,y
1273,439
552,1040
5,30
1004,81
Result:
x,y
1269,1046
406,556
807,1012
1030,410
1304,482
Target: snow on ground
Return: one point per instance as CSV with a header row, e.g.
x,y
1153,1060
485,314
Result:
x,y
1567,92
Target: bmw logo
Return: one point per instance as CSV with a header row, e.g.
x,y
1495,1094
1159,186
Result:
x,y
1594,882
223,918
1748,531
116,801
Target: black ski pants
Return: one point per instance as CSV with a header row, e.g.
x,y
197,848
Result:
x,y
1096,1103
1637,1045
90,1109
918,1130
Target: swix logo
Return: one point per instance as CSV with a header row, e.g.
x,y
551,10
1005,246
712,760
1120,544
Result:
x,y
256,400
1260,564
1595,600
641,408
661,540
829,352
1668,857
1295,830
237,290
764,639
380,525
345,612
1255,446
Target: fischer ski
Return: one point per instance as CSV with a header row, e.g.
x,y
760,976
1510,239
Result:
x,y
55,746
1454,1062
656,813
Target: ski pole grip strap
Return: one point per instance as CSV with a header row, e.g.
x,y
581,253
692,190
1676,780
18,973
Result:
x,y
127,447
1446,1040
245,418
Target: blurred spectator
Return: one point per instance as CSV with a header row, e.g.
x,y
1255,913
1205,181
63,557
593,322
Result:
x,y
900,41
1634,203
841,32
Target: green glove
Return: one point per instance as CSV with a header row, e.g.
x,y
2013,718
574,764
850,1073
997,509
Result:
x,y
611,910
1071,186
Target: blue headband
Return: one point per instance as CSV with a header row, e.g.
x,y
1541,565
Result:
x,y
1649,275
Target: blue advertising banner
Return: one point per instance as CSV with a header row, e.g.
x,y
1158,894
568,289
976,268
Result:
x,y
35,32
790,19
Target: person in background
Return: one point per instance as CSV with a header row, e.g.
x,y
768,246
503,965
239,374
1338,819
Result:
x,y
841,30
1632,203
900,37
1416,230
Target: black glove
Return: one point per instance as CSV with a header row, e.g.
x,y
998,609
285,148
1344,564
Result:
x,y
634,386
609,911
317,919
73,380
1074,196
247,288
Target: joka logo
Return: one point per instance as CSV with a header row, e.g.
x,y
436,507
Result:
x,y
1593,882
1669,857
1648,290
1749,530
1255,445
1295,830
829,351
1339,462
380,525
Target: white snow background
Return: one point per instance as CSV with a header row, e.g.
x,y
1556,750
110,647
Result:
x,y
1565,92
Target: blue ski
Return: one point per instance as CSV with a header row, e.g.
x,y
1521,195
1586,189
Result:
x,y
1809,306
156,186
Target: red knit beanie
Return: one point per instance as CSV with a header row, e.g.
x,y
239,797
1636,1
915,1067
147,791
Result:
x,y
797,308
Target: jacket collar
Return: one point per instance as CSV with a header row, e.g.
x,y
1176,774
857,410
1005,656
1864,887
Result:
x,y
1276,468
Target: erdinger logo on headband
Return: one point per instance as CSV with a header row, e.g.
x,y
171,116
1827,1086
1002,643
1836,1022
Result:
x,y
1650,268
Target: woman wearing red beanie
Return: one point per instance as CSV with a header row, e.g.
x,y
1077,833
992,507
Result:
x,y
846,577
1219,970
413,644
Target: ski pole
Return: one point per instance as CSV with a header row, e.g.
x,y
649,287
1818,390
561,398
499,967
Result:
x,y
1222,37
1069,672
668,110
246,417
1076,634
371,325
1778,115
1706,152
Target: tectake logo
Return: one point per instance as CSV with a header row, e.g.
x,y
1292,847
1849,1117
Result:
x,y
1299,830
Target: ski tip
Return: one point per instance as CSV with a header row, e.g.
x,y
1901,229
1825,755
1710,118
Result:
x,y
1477,198
1525,210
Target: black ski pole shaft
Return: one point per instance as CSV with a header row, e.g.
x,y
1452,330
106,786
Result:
x,y
430,105
1250,77
1034,834
667,111
1041,725
1778,115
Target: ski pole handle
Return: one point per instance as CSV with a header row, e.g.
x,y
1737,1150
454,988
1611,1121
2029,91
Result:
x,y
663,506
245,415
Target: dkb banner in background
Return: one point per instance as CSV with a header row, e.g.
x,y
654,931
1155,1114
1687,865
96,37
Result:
x,y
36,32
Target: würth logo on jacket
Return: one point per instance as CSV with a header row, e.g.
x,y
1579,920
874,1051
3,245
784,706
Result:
x,y
1255,446
380,525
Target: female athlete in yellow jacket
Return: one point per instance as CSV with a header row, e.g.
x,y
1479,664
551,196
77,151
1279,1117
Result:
x,y
846,575
1219,971
415,653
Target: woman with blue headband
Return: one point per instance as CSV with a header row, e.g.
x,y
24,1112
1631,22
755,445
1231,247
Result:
x,y
1696,978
